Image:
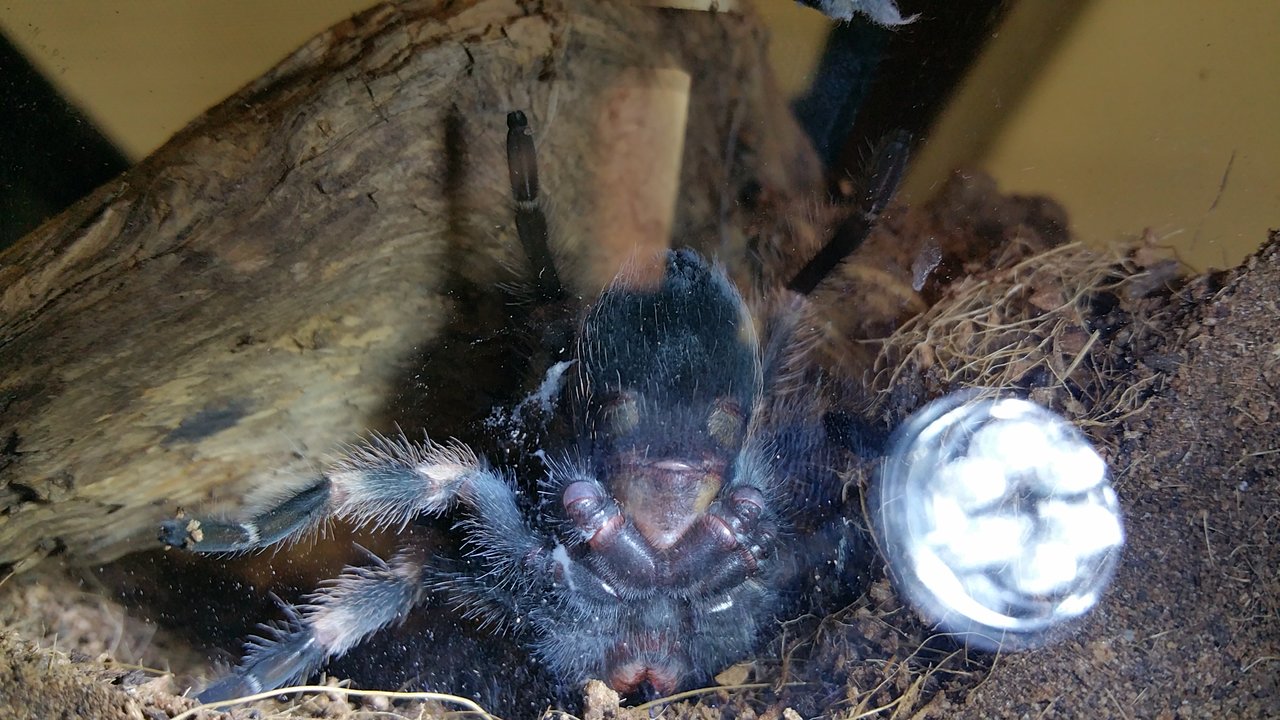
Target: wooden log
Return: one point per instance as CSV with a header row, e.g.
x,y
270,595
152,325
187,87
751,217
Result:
x,y
212,325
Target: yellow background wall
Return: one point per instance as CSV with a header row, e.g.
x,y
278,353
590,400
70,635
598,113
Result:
x,y
1134,119
142,69
1134,112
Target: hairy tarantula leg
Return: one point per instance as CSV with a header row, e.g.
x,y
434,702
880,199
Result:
x,y
531,222
336,618
304,509
387,481
888,165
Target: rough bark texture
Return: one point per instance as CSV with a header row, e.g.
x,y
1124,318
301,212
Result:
x,y
218,320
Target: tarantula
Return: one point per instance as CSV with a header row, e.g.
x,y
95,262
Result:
x,y
662,534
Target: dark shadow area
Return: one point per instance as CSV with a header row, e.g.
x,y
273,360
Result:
x,y
873,81
921,66
51,155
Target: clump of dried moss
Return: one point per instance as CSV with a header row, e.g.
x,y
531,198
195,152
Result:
x,y
1061,325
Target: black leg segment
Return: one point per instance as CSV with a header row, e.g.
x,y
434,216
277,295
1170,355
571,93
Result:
x,y
531,222
888,165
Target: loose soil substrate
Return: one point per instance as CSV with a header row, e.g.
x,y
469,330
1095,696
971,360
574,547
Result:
x,y
1190,629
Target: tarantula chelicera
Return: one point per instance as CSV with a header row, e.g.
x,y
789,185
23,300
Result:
x,y
662,535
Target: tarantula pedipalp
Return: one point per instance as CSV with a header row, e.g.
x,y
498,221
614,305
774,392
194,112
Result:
x,y
663,539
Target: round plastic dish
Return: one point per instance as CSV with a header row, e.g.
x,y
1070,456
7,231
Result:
x,y
997,519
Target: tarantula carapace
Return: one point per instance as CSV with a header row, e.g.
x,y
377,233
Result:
x,y
664,533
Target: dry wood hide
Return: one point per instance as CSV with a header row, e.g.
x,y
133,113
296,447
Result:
x,y
216,322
